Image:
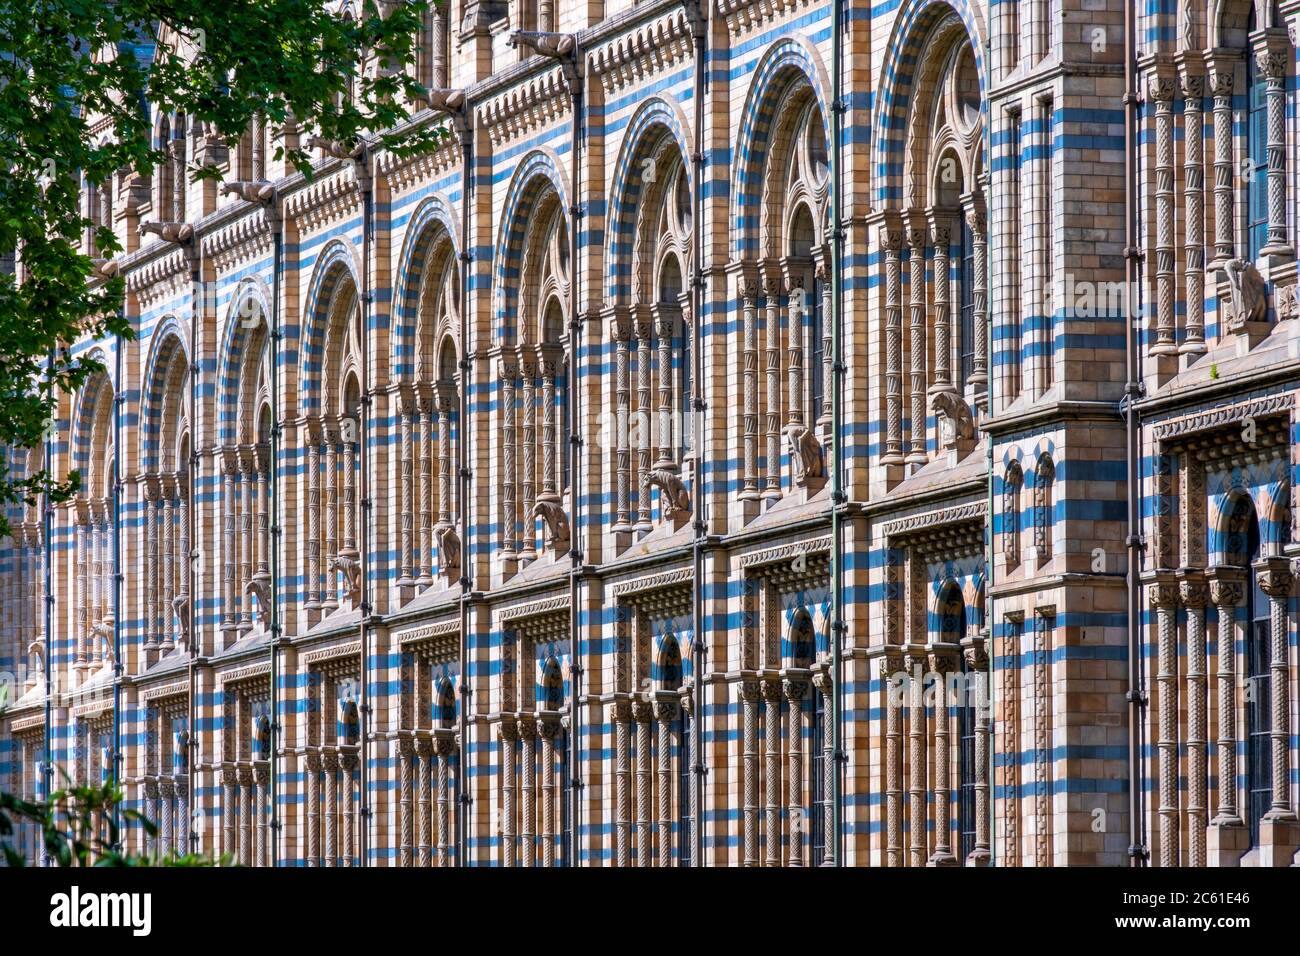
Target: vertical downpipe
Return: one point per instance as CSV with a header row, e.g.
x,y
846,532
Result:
x,y
363,168
118,400
191,481
699,26
838,497
1132,391
463,474
47,770
277,257
574,71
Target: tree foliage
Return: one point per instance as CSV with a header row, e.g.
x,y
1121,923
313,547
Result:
x,y
80,84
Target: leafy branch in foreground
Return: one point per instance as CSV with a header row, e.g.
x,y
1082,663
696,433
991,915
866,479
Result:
x,y
80,84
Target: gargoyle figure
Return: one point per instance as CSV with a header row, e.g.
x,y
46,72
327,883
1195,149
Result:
x,y
677,500
1247,294
102,633
252,192
260,588
449,554
955,425
557,524
351,569
169,231
181,605
806,455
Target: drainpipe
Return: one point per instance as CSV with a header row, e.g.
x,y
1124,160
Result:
x,y
838,497
699,30
563,47
454,105
185,236
1132,392
363,166
118,400
265,194
47,770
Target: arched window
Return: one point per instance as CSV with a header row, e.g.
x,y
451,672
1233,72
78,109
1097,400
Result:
x,y
1011,505
1256,159
552,685
1243,548
1044,482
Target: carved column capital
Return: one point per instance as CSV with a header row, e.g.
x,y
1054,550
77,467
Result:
x,y
1193,589
1163,594
1275,576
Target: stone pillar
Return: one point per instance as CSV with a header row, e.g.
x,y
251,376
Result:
x,y
1160,86
547,729
977,222
943,663
1275,579
406,416
406,809
749,345
1221,80
620,331
891,238
643,714
509,372
528,830
916,764
890,664
424,563
528,476
1194,592
1163,597
313,595
977,663
622,784
665,716
1193,88
444,747
795,690
1272,50
422,760
772,404
749,694
919,329
509,734
313,765
825,684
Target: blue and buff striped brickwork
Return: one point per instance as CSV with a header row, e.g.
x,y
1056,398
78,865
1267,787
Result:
x,y
986,653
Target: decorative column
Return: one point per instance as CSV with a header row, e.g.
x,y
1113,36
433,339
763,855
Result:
x,y
230,464
1161,89
620,330
1227,591
942,663
444,748
665,715
407,419
916,765
749,344
977,663
1193,88
314,766
347,767
825,684
509,372
446,400
165,787
184,559
424,564
772,771
1221,79
940,235
642,713
749,694
154,846
168,572
83,585
977,222
644,434
828,350
1272,49
229,781
772,406
261,778
1194,592
528,829
509,734
890,664
313,602
547,729
423,753
795,690
549,364
916,239
797,297
664,335
891,238
152,526
330,593
622,783
349,550
1163,597
439,47
245,783
528,478
330,767
246,540
406,809
1275,579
